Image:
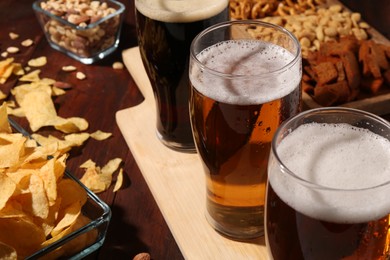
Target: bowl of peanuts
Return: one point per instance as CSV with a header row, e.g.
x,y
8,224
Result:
x,y
86,30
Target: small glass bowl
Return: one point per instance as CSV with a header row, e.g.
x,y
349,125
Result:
x,y
96,210
86,42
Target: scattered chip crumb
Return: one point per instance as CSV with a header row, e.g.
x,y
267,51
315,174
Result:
x,y
13,35
69,68
12,49
38,62
27,43
117,65
80,75
4,54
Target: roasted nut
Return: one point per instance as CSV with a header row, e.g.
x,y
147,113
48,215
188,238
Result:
x,y
117,65
38,62
69,68
12,49
13,36
80,75
328,24
27,42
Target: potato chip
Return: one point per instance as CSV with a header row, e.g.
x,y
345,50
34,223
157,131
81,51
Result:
x,y
99,179
100,135
49,177
3,95
4,64
22,90
88,164
38,108
22,178
22,234
4,124
40,203
119,181
111,166
31,77
95,180
13,209
75,244
70,193
7,252
71,125
11,148
7,187
18,69
58,91
70,216
18,112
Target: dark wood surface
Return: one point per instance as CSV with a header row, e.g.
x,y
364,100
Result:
x,y
137,224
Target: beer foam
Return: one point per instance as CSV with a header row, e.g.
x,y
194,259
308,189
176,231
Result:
x,y
180,11
254,67
337,156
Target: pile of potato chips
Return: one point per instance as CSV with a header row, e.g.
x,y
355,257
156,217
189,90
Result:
x,y
34,99
38,205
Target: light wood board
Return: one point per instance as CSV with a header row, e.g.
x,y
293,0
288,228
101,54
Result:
x,y
175,179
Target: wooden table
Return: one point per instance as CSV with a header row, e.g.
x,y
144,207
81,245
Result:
x,y
137,224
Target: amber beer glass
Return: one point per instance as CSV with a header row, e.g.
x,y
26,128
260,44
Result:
x,y
329,186
245,80
165,31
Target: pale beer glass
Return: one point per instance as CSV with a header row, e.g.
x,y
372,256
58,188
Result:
x,y
245,81
165,30
328,187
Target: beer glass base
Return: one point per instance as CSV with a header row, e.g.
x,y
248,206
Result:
x,y
179,147
237,223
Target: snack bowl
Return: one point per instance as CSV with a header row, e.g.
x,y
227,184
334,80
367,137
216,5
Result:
x,y
87,235
85,30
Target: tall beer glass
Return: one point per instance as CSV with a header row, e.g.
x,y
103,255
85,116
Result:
x,y
165,31
245,80
329,186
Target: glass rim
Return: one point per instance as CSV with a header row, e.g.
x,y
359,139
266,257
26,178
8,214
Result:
x,y
285,127
297,54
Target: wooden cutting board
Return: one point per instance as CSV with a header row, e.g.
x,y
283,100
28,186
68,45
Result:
x,y
176,180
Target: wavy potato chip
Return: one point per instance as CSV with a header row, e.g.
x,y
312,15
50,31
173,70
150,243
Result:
x,y
22,234
37,204
7,187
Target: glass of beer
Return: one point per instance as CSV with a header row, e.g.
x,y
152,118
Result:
x,y
245,80
329,185
165,30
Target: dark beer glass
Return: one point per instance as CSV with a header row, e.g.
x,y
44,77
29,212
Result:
x,y
165,31
329,185
243,85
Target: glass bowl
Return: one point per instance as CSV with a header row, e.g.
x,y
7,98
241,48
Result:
x,y
98,214
87,32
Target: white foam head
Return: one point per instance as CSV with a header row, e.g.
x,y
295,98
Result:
x,y
349,159
252,72
180,11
